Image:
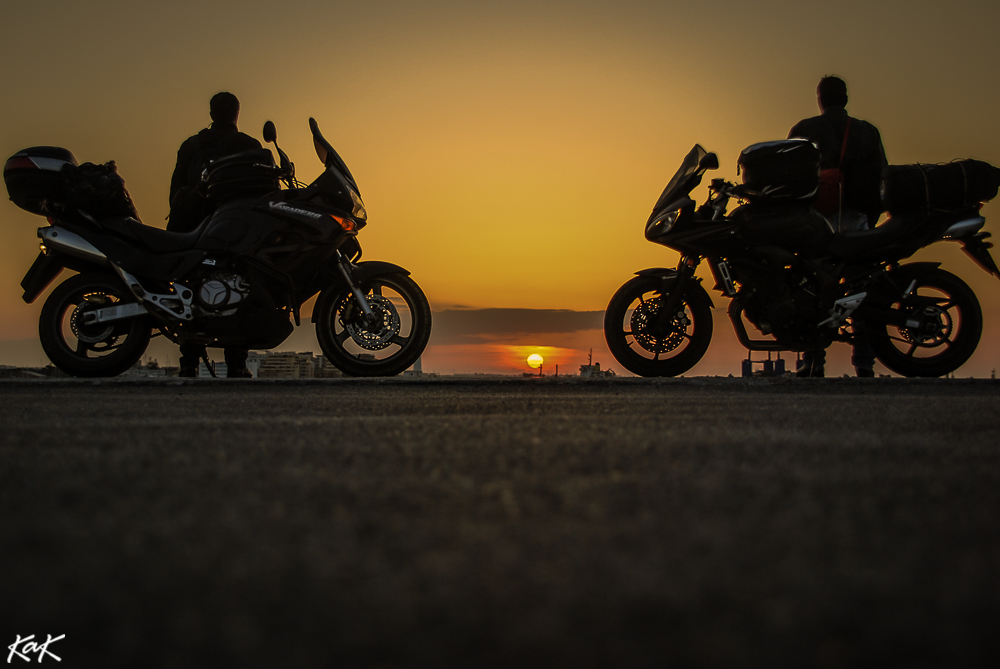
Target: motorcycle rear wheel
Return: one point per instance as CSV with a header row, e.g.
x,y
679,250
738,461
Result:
x,y
946,324
102,349
385,346
628,323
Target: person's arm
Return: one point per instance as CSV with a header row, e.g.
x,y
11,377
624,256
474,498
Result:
x,y
185,155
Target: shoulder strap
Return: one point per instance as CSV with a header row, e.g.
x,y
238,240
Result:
x,y
843,146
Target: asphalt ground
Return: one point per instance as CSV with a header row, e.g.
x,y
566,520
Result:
x,y
538,522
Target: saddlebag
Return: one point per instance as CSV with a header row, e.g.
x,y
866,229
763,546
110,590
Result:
x,y
954,185
786,169
32,176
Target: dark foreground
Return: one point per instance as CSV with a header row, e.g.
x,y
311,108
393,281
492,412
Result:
x,y
690,522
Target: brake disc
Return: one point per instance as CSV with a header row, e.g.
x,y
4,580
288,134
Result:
x,y
89,334
376,333
642,320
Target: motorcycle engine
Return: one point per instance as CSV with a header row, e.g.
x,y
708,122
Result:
x,y
221,292
786,309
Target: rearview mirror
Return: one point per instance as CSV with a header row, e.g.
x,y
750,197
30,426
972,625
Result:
x,y
709,162
270,133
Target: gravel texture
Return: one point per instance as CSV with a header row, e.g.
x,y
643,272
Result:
x,y
502,522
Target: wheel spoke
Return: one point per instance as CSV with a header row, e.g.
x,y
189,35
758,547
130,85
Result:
x,y
377,289
909,351
82,347
342,337
399,341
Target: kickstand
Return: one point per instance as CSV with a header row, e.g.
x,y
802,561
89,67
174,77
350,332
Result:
x,y
210,365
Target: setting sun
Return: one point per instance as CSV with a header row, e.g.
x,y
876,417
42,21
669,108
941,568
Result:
x,y
535,361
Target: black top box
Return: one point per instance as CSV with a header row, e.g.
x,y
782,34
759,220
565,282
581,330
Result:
x,y
32,175
787,169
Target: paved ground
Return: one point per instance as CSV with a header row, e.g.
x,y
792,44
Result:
x,y
629,522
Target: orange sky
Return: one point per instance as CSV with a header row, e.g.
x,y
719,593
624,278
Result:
x,y
509,153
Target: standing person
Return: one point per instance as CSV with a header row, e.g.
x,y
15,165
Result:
x,y
188,207
851,160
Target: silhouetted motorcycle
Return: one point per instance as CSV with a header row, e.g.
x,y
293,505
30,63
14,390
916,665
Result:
x,y
796,280
236,280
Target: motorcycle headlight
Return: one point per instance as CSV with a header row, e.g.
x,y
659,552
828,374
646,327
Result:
x,y
359,207
662,224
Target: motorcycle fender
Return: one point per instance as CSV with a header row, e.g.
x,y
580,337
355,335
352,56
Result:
x,y
366,270
362,272
665,273
42,272
914,270
657,271
979,250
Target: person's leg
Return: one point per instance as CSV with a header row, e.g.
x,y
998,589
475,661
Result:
x,y
812,363
236,363
191,355
862,355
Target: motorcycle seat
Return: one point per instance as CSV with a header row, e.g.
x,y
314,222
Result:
x,y
153,239
859,243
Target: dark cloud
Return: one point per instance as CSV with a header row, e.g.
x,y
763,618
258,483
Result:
x,y
473,326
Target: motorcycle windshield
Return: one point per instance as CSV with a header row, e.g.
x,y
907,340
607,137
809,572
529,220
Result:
x,y
336,178
681,183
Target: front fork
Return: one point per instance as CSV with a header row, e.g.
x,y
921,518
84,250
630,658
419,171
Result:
x,y
675,288
344,266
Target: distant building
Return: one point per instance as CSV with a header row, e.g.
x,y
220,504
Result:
x,y
148,369
291,365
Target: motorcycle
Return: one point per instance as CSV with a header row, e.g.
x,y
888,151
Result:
x,y
269,244
799,283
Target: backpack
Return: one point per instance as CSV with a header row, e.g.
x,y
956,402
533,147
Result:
x,y
831,181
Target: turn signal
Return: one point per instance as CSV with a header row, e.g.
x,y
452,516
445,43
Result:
x,y
346,223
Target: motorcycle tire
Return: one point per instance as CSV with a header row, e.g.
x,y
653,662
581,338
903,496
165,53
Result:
x,y
947,324
629,319
385,347
101,349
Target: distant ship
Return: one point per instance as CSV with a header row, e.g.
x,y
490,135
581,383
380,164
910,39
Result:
x,y
592,370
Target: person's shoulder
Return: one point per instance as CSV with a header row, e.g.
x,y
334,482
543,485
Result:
x,y
862,122
248,140
805,125
865,127
191,143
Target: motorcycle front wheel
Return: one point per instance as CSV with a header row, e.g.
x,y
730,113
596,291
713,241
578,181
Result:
x,y
384,344
943,324
630,323
90,350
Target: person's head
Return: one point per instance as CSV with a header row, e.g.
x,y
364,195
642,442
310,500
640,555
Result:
x,y
831,92
224,108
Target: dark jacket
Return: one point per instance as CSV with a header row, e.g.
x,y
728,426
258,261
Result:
x,y
863,159
221,139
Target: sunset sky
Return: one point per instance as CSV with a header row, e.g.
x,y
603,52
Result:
x,y
508,153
